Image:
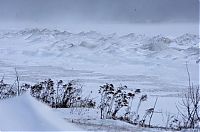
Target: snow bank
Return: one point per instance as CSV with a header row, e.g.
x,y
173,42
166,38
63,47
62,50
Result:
x,y
24,113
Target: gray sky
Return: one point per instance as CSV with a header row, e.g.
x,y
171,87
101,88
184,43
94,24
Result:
x,y
118,11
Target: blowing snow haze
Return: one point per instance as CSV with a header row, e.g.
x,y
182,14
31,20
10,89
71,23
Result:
x,y
111,11
101,65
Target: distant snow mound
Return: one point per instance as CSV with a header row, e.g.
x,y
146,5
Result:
x,y
46,42
157,43
187,39
37,35
134,37
90,34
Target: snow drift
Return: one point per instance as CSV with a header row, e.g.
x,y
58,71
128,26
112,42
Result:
x,y
24,113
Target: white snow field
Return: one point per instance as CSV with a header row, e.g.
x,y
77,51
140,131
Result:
x,y
24,113
154,63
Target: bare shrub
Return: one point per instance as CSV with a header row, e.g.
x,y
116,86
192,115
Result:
x,y
115,99
189,107
61,95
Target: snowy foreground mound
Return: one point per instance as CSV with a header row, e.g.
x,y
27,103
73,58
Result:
x,y
25,113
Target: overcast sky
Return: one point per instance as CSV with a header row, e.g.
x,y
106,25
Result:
x,y
118,11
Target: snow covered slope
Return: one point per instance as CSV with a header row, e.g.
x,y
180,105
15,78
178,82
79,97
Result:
x,y
154,64
45,43
131,58
24,113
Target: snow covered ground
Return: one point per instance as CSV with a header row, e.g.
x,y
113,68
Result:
x,y
24,113
153,63
133,57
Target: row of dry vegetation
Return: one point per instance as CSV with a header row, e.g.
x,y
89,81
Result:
x,y
112,101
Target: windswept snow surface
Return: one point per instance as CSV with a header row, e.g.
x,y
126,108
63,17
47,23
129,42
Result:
x,y
151,63
120,57
155,64
24,113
